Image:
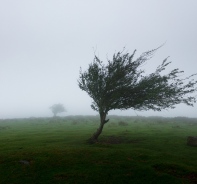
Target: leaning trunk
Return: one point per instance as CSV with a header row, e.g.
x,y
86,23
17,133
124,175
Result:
x,y
95,136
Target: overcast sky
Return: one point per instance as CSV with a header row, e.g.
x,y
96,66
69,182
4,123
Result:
x,y
43,43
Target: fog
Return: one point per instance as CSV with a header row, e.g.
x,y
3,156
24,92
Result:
x,y
44,43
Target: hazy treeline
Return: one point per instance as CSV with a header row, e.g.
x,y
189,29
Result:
x,y
91,118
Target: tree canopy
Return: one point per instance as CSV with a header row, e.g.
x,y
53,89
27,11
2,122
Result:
x,y
57,108
123,84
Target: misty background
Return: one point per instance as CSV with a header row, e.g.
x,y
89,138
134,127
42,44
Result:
x,y
43,44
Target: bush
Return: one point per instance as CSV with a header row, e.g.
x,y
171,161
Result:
x,y
122,123
74,123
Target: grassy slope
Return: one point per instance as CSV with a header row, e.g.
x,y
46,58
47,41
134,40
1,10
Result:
x,y
57,151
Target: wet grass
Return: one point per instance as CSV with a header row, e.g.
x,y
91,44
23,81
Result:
x,y
143,150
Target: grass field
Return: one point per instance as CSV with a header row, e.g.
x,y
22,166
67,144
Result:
x,y
141,151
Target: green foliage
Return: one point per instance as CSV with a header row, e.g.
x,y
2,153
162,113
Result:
x,y
122,84
57,108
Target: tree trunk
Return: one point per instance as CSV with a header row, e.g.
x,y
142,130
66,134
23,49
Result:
x,y
95,136
54,114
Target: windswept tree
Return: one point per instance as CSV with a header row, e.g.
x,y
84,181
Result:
x,y
57,108
122,84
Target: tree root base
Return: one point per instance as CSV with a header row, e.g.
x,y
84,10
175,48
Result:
x,y
91,141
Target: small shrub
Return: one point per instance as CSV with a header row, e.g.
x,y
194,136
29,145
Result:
x,y
176,126
160,121
74,123
122,123
192,140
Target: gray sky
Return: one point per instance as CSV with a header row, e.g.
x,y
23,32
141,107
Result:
x,y
43,43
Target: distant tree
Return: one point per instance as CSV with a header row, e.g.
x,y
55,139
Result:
x,y
121,84
57,108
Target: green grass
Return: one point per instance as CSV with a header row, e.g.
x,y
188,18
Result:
x,y
151,150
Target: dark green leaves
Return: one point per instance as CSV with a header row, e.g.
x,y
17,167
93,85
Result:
x,y
121,84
